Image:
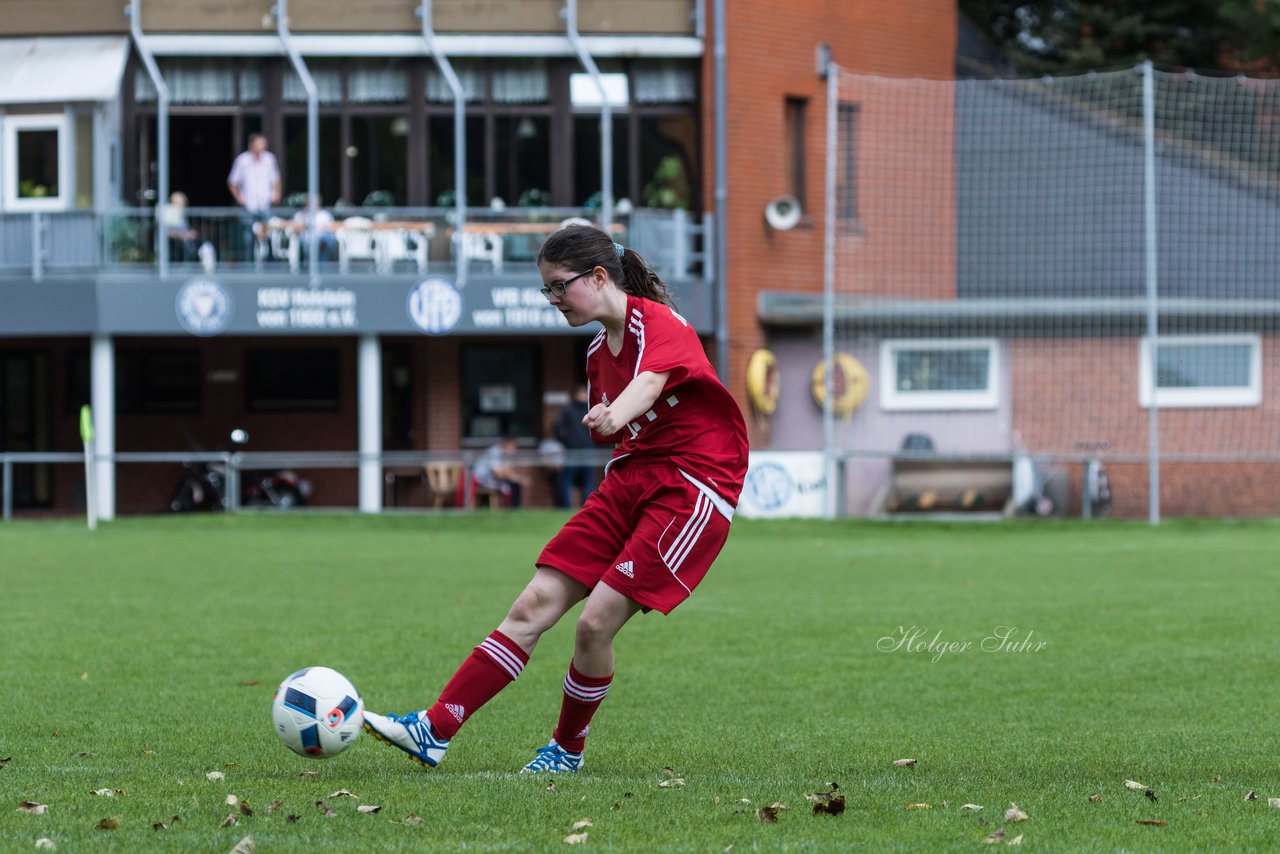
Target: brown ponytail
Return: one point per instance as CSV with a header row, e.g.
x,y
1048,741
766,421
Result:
x,y
584,247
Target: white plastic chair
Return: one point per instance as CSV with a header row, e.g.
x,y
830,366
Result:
x,y
355,242
483,246
399,244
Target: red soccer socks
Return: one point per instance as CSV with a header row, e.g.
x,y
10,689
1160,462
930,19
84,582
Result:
x,y
582,696
490,667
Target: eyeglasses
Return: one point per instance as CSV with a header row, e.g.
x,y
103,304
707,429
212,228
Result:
x,y
557,289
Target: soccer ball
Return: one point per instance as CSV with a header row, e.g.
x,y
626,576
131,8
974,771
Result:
x,y
317,712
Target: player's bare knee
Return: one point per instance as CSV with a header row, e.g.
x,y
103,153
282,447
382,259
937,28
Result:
x,y
593,631
529,608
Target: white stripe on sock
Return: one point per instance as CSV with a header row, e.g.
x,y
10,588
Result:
x,y
501,656
582,693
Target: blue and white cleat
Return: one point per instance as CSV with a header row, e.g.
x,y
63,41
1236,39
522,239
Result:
x,y
412,733
553,759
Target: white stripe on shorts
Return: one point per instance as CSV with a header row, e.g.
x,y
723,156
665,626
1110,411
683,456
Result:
x,y
688,537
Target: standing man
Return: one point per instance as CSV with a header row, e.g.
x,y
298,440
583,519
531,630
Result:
x,y
575,436
255,185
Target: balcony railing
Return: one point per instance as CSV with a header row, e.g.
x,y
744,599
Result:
x,y
347,241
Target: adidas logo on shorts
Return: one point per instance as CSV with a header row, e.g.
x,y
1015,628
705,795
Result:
x,y
626,568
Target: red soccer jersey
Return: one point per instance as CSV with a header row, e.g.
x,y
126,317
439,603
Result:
x,y
695,422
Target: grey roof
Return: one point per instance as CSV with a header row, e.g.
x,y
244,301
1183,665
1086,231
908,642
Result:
x,y
1050,200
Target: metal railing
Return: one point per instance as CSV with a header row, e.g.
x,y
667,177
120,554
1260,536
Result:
x,y
235,463
363,241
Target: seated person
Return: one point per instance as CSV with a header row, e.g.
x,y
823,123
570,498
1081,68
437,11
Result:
x,y
183,239
493,470
326,240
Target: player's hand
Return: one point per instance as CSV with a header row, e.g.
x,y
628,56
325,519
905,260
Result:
x,y
602,420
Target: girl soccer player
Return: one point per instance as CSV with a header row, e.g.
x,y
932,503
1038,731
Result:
x,y
647,535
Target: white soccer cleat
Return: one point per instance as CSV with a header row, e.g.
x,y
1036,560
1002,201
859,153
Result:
x,y
553,759
412,733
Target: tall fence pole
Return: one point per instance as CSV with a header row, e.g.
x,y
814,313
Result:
x,y
828,292
1153,317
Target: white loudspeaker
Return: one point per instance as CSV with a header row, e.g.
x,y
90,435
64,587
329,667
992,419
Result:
x,y
783,213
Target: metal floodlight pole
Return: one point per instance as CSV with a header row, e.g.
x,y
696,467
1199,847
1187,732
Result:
x,y
134,11
1153,317
281,12
570,14
459,140
829,291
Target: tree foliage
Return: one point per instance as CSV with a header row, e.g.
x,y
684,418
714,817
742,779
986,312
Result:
x,y
1077,35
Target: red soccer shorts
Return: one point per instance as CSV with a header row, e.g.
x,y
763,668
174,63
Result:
x,y
648,532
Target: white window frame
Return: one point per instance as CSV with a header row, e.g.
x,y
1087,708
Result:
x,y
1207,396
42,121
891,399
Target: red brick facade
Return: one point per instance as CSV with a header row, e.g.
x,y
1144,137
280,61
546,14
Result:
x,y
770,56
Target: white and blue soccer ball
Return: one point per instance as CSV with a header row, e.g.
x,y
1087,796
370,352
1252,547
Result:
x,y
317,712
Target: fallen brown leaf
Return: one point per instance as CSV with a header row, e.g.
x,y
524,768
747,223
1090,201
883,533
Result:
x,y
250,683
309,774
575,838
673,783
905,763
1252,796
324,808
367,808
669,771
832,806
1151,795
245,809
112,823
245,846
995,838
1273,802
147,751
109,793
84,754
46,842
578,825
1095,799
973,807
291,819
5,761
552,788
215,775
159,825
231,801
32,807
412,820
1134,784
230,821
275,805
1017,840
767,815
341,793
1014,814
1150,822
616,806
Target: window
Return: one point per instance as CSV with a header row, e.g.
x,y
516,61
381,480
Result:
x,y
793,147
164,380
36,154
500,393
939,374
847,165
1201,370
292,379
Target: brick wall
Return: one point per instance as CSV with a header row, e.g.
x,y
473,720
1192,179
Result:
x,y
770,56
1073,395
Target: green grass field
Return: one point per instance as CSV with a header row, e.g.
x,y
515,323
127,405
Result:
x,y
144,656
